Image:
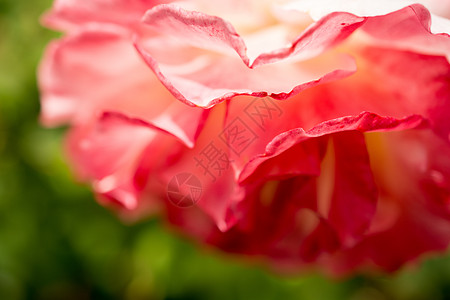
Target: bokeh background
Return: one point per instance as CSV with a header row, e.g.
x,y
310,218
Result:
x,y
56,242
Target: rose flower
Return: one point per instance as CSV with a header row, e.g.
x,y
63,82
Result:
x,y
301,133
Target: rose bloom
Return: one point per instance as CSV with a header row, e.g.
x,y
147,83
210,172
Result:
x,y
306,133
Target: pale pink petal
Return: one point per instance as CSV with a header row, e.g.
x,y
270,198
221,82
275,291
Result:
x,y
218,63
196,29
98,70
70,14
412,32
316,39
247,15
438,7
367,8
226,52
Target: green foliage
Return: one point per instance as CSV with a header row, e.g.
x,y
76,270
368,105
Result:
x,y
56,242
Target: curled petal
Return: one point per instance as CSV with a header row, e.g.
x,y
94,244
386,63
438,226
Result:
x,y
208,45
364,122
367,8
412,32
404,92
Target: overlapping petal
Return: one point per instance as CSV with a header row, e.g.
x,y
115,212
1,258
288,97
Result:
x,y
209,44
404,92
201,41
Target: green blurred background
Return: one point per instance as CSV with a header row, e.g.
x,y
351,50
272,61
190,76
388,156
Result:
x,y
56,242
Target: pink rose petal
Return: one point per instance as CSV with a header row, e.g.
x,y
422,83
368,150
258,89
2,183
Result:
x,y
75,90
70,14
204,42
